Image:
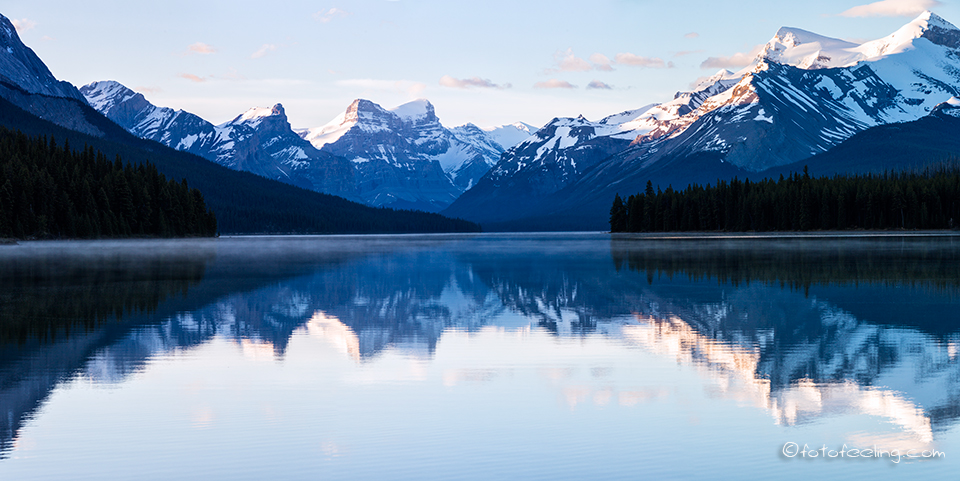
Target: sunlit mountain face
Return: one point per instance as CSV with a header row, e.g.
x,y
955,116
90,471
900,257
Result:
x,y
858,336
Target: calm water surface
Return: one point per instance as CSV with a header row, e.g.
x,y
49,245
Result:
x,y
480,357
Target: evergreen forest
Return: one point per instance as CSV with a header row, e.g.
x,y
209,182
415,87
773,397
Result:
x,y
49,191
906,200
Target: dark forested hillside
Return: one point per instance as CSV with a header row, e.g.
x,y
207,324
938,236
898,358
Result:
x,y
52,191
242,202
927,200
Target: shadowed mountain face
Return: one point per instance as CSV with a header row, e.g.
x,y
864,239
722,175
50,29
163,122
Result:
x,y
849,313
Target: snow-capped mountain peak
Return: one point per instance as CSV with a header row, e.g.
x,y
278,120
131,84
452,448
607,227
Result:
x,y
257,113
928,25
104,95
807,50
810,51
416,110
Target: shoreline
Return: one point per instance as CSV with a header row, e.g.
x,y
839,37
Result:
x,y
873,234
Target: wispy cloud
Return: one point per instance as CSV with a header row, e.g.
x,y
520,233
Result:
x,y
568,62
201,49
596,84
325,16
638,61
691,35
736,60
554,84
264,50
191,77
891,8
683,53
23,24
601,62
147,90
448,81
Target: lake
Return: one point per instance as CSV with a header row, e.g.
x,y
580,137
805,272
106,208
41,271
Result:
x,y
490,356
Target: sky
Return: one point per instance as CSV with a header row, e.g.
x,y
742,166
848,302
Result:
x,y
488,62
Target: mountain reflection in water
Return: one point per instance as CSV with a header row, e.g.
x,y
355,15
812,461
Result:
x,y
801,328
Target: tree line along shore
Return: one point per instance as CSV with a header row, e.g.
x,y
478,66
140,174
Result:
x,y
929,199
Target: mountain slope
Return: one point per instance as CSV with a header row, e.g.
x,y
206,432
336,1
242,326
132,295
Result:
x,y
803,95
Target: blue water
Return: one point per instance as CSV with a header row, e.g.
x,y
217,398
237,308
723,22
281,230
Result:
x,y
566,356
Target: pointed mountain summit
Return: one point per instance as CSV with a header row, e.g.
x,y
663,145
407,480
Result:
x,y
404,156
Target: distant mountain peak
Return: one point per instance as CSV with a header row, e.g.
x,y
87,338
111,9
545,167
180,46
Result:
x,y
257,113
416,110
103,95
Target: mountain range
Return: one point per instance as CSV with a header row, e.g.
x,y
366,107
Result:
x,y
803,95
33,101
402,157
806,100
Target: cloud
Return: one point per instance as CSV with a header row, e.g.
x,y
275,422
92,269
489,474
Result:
x,y
568,62
324,16
266,48
201,48
23,24
686,52
448,81
596,84
554,84
891,8
601,62
691,35
736,60
191,77
638,61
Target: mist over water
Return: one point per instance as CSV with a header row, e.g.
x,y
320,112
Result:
x,y
476,356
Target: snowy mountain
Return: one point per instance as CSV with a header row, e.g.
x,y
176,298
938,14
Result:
x,y
259,141
803,95
406,157
400,158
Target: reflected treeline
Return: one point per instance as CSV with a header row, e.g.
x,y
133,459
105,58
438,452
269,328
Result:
x,y
43,299
797,263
